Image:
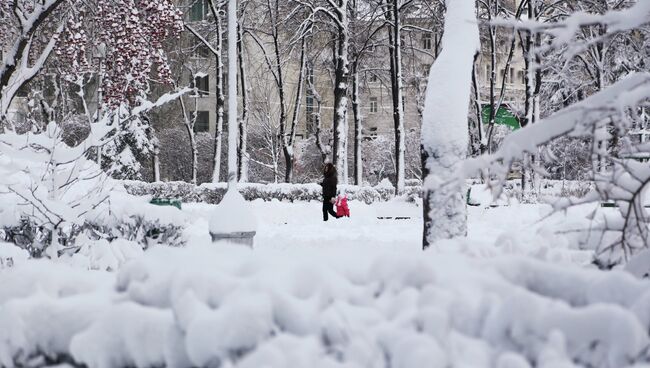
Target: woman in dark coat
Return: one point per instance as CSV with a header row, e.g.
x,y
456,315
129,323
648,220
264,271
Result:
x,y
329,190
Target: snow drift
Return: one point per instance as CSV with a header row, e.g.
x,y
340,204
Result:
x,y
222,306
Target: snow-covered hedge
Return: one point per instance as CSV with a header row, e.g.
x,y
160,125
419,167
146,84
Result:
x,y
212,193
322,307
384,191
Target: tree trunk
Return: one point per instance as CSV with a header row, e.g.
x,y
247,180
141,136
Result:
x,y
531,100
232,94
189,126
243,123
341,92
156,164
395,50
358,127
195,155
220,100
493,75
477,136
296,109
287,150
444,133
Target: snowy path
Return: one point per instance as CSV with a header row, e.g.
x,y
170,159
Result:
x,y
514,229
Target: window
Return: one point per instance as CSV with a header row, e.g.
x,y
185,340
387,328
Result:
x,y
374,78
202,85
521,77
511,78
373,104
198,10
426,41
503,74
202,122
426,68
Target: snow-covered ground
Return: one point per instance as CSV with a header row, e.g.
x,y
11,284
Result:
x,y
512,229
353,292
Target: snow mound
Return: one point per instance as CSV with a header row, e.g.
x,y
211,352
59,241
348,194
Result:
x,y
232,214
231,306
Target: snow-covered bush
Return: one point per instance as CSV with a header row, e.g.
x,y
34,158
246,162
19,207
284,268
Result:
x,y
212,193
48,185
51,192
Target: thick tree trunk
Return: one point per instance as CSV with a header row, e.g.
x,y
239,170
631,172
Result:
x,y
232,94
444,133
341,92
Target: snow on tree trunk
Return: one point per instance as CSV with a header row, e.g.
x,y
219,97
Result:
x,y
444,125
15,68
232,94
341,91
156,164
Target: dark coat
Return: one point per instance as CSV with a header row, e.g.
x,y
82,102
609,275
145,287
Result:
x,y
329,187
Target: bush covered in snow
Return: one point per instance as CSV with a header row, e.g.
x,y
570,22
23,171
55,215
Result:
x,y
384,191
213,193
122,218
233,307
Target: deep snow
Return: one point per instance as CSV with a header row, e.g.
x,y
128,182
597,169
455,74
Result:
x,y
356,292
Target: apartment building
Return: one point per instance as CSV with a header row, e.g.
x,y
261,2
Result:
x,y
375,93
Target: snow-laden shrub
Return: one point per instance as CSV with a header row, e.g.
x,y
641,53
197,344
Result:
x,y
51,192
139,223
47,186
212,193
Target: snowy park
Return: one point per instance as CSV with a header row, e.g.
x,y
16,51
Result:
x,y
324,183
